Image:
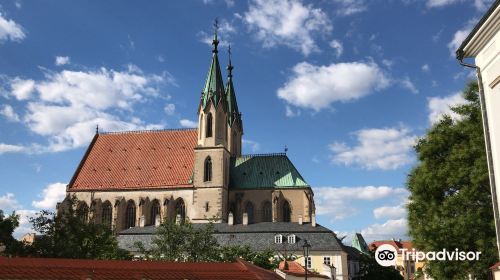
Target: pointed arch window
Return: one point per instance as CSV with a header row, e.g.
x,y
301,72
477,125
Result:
x,y
267,212
130,214
83,212
249,211
180,210
207,171
107,212
287,212
155,211
209,125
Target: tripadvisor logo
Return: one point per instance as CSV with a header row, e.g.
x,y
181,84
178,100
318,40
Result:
x,y
386,255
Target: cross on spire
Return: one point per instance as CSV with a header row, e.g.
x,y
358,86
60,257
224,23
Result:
x,y
230,66
215,42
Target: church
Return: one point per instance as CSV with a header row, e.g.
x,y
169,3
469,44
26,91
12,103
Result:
x,y
139,178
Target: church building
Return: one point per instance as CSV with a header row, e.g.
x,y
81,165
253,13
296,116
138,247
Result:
x,y
139,178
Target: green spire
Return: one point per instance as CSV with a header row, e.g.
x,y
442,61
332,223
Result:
x,y
233,112
214,85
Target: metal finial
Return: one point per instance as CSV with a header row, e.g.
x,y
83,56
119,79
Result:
x,y
286,149
230,66
97,129
215,42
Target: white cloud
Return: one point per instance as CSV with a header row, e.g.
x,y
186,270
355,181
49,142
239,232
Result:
x,y
8,112
426,68
226,30
169,109
22,89
460,36
290,112
66,106
480,5
337,46
62,60
188,123
337,202
350,7
409,85
24,224
8,203
51,195
397,228
393,212
377,148
439,106
10,30
317,87
253,145
287,22
8,148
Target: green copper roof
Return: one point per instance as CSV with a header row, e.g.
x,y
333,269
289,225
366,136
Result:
x,y
265,171
214,85
359,243
232,105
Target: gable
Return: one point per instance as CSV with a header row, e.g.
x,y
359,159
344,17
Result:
x,y
137,160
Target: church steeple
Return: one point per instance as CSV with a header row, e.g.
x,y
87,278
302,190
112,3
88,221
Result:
x,y
233,112
214,85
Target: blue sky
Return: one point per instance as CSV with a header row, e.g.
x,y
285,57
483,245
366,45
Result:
x,y
346,85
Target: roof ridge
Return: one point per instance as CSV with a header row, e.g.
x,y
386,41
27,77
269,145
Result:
x,y
264,155
145,130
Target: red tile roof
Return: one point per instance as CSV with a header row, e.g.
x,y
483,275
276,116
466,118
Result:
x,y
395,243
40,268
295,269
137,160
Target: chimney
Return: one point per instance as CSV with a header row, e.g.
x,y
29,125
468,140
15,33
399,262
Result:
x,y
142,221
230,219
313,220
300,220
157,220
245,218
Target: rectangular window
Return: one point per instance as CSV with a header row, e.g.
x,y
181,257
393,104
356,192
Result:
x,y
308,263
291,239
327,260
278,239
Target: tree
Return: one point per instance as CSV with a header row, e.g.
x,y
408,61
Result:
x,y
371,270
450,199
7,226
68,236
186,243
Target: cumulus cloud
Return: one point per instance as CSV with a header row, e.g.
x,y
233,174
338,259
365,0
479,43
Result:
x,y
376,148
10,30
8,202
169,109
440,106
8,148
337,46
480,5
24,224
337,202
393,212
287,22
460,36
350,7
8,112
66,106
253,145
188,123
408,84
317,87
50,196
62,60
397,228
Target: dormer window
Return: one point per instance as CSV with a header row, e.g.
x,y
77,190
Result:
x,y
291,239
278,239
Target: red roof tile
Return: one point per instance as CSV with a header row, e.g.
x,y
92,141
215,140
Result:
x,y
395,243
295,269
40,268
137,160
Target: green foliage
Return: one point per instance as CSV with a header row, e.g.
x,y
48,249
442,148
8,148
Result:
x,y
68,236
371,270
450,203
7,227
186,243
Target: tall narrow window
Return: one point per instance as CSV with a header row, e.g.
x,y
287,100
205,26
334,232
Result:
x,y
267,212
155,211
207,175
107,212
83,212
209,125
130,215
180,210
249,211
287,212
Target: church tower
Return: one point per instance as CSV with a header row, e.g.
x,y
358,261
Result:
x,y
212,154
234,123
